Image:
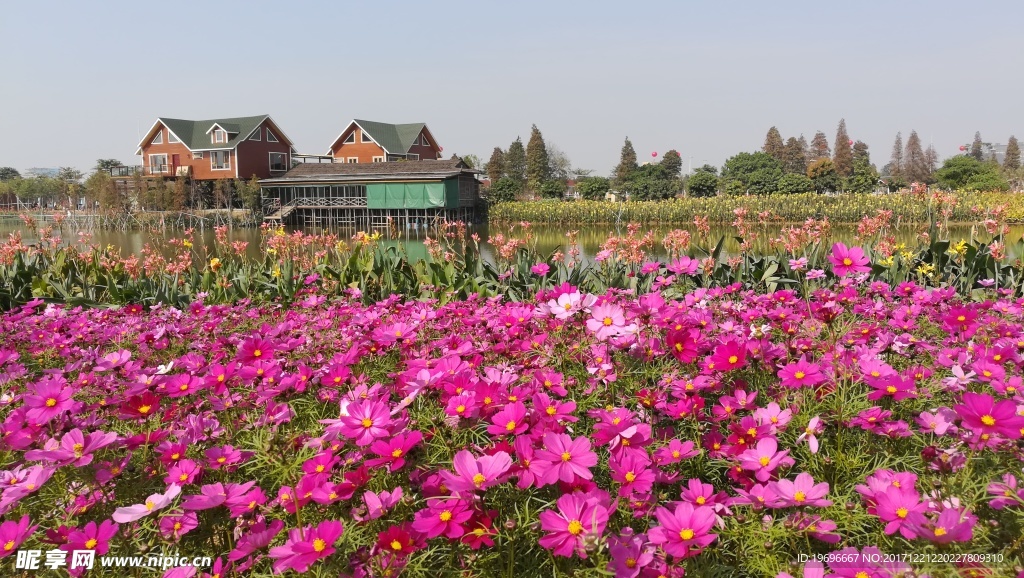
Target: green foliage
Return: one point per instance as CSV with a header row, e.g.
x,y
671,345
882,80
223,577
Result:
x,y
471,160
703,182
792,183
915,165
537,167
593,188
553,189
672,162
968,173
627,164
773,145
864,177
976,150
843,156
496,165
819,148
823,174
515,161
758,173
1011,160
794,159
504,190
107,164
9,173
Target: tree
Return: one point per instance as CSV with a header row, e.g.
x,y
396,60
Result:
x,y
773,144
824,175
537,169
1011,160
703,182
864,177
559,165
819,148
496,165
471,160
976,147
758,172
806,148
9,174
69,174
593,188
673,163
915,166
793,159
651,182
106,164
931,159
627,164
515,162
968,173
504,190
895,166
792,183
843,156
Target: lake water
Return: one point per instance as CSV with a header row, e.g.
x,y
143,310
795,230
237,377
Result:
x,y
548,238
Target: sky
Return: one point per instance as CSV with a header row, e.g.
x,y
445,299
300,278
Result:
x,y
84,80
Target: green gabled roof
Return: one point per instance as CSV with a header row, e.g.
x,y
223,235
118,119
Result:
x,y
195,133
395,138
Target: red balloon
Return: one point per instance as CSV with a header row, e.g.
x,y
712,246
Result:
x,y
963,148
851,142
440,148
654,154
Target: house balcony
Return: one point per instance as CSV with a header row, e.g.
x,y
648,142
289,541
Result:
x,y
153,171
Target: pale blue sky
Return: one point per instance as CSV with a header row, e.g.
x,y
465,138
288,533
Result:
x,y
82,79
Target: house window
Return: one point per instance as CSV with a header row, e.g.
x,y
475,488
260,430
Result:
x,y
414,157
256,135
278,162
378,159
220,160
270,136
197,155
220,136
423,140
353,159
351,138
159,138
363,137
171,138
157,163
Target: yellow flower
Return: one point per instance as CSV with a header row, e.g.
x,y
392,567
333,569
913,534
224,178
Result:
x,y
215,263
271,251
925,268
277,272
187,244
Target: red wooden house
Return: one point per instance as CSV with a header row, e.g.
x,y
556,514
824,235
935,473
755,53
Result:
x,y
365,141
220,148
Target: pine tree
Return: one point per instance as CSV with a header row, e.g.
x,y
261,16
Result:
x,y
793,159
915,166
496,166
627,164
537,168
843,155
515,162
931,160
976,147
819,148
864,177
1011,160
773,144
896,160
672,162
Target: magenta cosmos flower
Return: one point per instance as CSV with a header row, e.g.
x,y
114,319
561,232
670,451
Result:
x,y
764,458
367,420
50,397
394,451
511,420
606,321
576,519
92,537
846,260
12,534
443,517
983,415
472,474
565,459
302,549
75,448
801,373
800,492
901,509
684,532
728,355
153,503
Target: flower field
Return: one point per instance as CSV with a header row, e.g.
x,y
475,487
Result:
x,y
843,426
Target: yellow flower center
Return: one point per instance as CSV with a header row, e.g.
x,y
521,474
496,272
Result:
x,y
396,545
50,402
686,534
257,353
891,389
397,453
675,454
630,562
607,321
630,476
367,422
733,359
445,516
182,477
799,497
799,375
701,500
551,410
9,546
901,512
764,460
847,261
988,420
90,544
510,426
478,480
575,527
940,531
150,505
319,545
144,409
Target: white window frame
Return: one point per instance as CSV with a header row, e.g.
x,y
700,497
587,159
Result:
x,y
220,135
353,159
271,137
414,157
378,159
256,136
159,138
171,138
424,141
226,165
197,155
365,138
350,139
284,162
163,164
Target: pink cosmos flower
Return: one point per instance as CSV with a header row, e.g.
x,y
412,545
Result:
x,y
895,386
633,473
567,528
394,451
12,534
566,305
951,525
91,537
257,537
938,422
75,448
812,569
378,504
675,451
255,349
1005,494
606,320
183,473
540,269
511,420
302,549
367,420
49,398
730,354
155,502
846,260
443,517
174,526
764,458
474,474
800,492
801,373
684,266
684,532
683,344
901,509
983,415
565,459
630,555
814,427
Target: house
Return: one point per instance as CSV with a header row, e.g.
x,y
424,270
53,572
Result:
x,y
365,141
219,148
373,195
